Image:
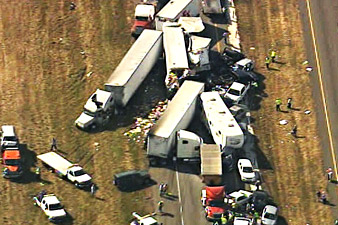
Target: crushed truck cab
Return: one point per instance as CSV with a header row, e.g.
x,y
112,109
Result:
x,y
11,160
51,206
97,110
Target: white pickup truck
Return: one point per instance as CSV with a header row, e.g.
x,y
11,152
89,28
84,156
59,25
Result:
x,y
66,169
51,206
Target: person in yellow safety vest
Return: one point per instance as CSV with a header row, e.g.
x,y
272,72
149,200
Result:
x,y
267,62
273,55
224,220
278,104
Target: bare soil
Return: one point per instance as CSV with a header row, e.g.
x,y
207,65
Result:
x,y
292,167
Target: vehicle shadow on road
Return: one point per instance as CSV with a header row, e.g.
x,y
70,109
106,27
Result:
x,y
262,160
258,93
281,221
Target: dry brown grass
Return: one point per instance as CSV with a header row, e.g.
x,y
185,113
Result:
x,y
43,88
297,163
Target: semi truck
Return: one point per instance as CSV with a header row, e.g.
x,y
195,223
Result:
x,y
211,7
211,164
72,172
223,127
161,138
175,54
124,81
144,16
174,9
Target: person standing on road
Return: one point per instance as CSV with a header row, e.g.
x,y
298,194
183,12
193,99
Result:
x,y
257,183
323,198
165,188
278,104
38,173
160,188
319,195
267,62
160,206
53,145
329,172
289,104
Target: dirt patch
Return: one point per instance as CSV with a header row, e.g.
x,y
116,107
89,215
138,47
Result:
x,y
297,167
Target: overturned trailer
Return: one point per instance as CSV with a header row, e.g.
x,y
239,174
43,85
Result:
x,y
162,136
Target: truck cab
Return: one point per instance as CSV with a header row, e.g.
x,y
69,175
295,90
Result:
x,y
51,206
78,176
11,160
188,146
97,110
8,137
244,64
144,17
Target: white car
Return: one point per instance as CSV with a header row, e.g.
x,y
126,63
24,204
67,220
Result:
x,y
242,221
246,170
237,91
269,215
8,137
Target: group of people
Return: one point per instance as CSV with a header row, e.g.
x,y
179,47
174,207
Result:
x,y
279,103
321,196
270,59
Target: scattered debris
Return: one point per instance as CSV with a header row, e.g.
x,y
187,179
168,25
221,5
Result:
x,y
283,122
305,62
252,48
307,112
89,74
309,69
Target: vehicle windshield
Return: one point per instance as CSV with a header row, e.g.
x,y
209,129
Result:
x,y
234,92
247,169
270,216
92,114
9,138
12,162
55,206
79,173
142,18
216,203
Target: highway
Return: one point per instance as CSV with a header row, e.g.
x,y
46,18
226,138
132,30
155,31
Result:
x,y
320,24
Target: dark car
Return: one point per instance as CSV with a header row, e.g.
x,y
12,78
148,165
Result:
x,y
259,200
132,178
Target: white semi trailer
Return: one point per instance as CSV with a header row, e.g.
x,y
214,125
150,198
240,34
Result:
x,y
174,9
162,136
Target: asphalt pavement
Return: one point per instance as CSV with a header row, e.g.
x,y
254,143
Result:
x,y
322,52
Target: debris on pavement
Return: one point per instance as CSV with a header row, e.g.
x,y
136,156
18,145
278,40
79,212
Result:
x,y
283,122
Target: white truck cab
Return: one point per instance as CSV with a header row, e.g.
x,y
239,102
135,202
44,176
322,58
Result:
x,y
97,110
242,221
244,64
8,137
237,91
188,145
77,175
51,206
143,220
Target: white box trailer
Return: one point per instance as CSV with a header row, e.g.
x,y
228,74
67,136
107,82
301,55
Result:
x,y
162,136
134,67
66,169
211,164
222,125
174,9
175,51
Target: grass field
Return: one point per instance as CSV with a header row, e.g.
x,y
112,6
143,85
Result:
x,y
294,171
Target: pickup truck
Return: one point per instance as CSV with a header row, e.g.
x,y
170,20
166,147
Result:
x,y
51,206
8,137
74,173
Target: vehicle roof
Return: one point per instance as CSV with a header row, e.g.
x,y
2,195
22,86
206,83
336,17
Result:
x,y
173,8
51,199
56,161
101,96
132,60
174,47
245,162
239,193
11,154
199,42
216,192
144,10
148,220
271,209
191,24
211,160
244,61
219,115
183,134
237,86
241,221
8,130
130,172
177,108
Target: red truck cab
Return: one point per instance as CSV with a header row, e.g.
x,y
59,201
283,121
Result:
x,y
11,160
144,18
212,199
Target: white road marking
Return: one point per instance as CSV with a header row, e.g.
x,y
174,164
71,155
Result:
x,y
320,75
179,197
